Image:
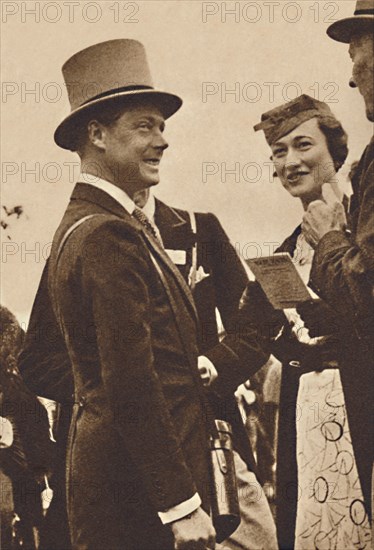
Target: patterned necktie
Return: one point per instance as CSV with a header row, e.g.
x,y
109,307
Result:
x,y
142,218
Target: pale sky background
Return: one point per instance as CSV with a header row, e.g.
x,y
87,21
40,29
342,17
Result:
x,y
184,52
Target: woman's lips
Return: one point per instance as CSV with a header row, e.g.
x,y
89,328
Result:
x,y
296,176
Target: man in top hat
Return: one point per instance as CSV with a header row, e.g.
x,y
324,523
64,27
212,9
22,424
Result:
x,y
343,264
138,459
137,463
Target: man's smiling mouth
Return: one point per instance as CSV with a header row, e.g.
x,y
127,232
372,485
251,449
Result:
x,y
152,162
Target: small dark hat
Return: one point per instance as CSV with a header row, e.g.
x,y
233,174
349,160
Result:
x,y
362,20
281,120
116,70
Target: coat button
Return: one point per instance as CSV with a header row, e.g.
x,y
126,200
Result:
x,y
295,364
82,401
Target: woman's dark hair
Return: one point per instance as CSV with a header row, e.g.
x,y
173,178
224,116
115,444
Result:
x,y
336,138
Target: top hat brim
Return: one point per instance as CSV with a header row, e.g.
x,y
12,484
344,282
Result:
x,y
64,134
343,30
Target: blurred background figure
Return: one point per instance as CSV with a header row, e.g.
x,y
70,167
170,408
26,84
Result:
x,y
26,452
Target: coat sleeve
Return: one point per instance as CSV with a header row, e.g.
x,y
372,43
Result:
x,y
245,348
118,291
44,360
343,269
241,352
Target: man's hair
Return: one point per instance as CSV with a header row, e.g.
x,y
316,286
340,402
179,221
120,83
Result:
x,y
336,137
107,115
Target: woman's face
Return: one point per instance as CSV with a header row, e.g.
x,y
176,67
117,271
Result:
x,y
303,162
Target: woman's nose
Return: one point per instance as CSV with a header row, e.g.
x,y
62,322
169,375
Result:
x,y
292,158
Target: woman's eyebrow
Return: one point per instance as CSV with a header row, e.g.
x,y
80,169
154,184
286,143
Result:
x,y
302,136
279,144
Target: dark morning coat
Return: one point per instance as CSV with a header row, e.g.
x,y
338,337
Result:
x,y
45,364
222,288
138,439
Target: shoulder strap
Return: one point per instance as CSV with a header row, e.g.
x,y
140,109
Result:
x,y
70,231
192,274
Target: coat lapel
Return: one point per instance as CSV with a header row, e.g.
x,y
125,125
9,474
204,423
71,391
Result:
x,y
105,202
160,254
175,229
177,235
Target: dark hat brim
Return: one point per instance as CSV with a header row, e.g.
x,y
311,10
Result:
x,y
64,134
343,30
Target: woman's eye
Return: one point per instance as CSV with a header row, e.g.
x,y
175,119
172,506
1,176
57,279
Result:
x,y
305,144
279,153
145,125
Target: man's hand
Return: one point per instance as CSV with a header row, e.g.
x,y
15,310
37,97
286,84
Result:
x,y
6,433
323,217
194,532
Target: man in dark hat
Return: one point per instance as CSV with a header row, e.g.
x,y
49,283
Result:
x,y
137,462
343,264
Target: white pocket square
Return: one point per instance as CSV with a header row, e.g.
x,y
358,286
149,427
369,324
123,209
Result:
x,y
196,276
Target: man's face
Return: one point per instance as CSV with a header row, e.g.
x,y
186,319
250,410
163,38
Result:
x,y
134,146
362,55
303,162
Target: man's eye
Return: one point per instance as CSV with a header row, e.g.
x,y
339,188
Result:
x,y
279,153
145,125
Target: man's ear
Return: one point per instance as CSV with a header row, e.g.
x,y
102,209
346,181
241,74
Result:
x,y
96,134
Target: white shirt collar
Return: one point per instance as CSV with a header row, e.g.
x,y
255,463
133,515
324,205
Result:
x,y
149,208
115,192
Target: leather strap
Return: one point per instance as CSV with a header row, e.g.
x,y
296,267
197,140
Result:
x,y
70,231
192,274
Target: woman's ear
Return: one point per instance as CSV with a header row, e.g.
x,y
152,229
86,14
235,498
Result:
x,y
275,175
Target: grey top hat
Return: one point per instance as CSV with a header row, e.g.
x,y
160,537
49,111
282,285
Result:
x,y
363,18
108,71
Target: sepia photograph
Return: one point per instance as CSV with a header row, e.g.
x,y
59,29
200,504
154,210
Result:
x,y
187,275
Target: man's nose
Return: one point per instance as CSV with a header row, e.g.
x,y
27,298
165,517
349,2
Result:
x,y
352,82
160,142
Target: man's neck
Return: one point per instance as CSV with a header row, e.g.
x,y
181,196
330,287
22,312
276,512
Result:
x,y
96,169
113,190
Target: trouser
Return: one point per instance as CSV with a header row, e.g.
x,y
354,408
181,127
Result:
x,y
257,527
